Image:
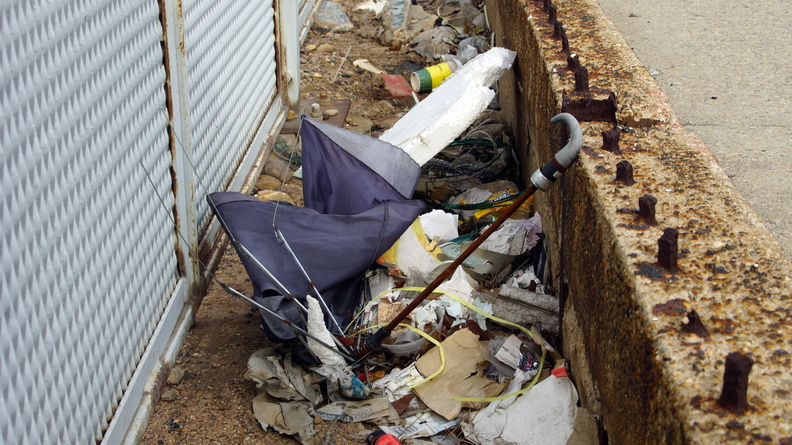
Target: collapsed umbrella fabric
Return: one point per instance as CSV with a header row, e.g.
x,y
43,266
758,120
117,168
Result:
x,y
357,192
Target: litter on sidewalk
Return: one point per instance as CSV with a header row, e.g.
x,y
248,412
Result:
x,y
468,358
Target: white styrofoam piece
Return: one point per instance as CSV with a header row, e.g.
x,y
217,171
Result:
x,y
487,68
437,120
440,224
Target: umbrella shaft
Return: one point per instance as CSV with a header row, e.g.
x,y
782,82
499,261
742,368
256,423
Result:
x,y
502,217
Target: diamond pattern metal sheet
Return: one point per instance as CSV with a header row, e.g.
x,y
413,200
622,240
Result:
x,y
230,52
88,263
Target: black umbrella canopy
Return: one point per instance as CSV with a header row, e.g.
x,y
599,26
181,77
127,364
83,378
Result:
x,y
357,192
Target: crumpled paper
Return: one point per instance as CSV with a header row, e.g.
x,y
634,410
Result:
x,y
515,236
284,402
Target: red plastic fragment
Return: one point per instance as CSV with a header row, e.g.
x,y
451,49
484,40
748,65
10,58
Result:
x,y
397,85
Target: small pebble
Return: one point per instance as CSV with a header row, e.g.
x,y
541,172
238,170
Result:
x,y
176,375
170,395
310,48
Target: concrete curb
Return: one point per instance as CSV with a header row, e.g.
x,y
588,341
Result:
x,y
627,319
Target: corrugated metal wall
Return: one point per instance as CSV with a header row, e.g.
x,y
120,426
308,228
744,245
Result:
x,y
230,54
116,119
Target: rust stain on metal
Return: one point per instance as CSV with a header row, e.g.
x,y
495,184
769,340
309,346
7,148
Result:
x,y
160,382
624,173
734,395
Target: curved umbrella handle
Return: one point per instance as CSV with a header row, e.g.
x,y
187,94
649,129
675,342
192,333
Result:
x,y
545,176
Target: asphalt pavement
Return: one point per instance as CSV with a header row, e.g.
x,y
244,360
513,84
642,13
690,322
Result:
x,y
726,67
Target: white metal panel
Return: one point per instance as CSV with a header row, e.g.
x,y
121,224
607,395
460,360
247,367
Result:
x,y
230,53
88,262
307,9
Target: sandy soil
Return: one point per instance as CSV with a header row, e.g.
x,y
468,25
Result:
x,y
211,404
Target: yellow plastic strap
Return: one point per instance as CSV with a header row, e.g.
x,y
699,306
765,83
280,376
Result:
x,y
494,399
469,306
366,307
422,334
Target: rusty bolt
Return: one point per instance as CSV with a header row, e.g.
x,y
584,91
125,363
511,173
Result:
x,y
694,325
573,62
624,174
610,140
646,209
564,43
552,15
581,80
558,30
734,395
667,247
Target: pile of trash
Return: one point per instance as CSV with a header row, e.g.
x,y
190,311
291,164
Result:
x,y
399,295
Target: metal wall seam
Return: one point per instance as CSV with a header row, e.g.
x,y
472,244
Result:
x,y
125,425
181,146
288,28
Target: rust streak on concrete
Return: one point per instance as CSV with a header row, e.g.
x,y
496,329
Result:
x,y
647,379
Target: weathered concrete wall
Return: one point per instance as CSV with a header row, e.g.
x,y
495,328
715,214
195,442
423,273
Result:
x,y
626,318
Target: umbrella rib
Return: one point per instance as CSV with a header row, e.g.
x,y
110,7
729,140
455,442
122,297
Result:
x,y
282,240
297,330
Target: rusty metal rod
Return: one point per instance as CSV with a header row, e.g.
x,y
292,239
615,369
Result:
x,y
542,179
502,217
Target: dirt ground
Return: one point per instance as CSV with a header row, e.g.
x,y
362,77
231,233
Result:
x,y
212,402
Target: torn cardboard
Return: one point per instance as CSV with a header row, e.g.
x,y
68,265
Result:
x,y
463,375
